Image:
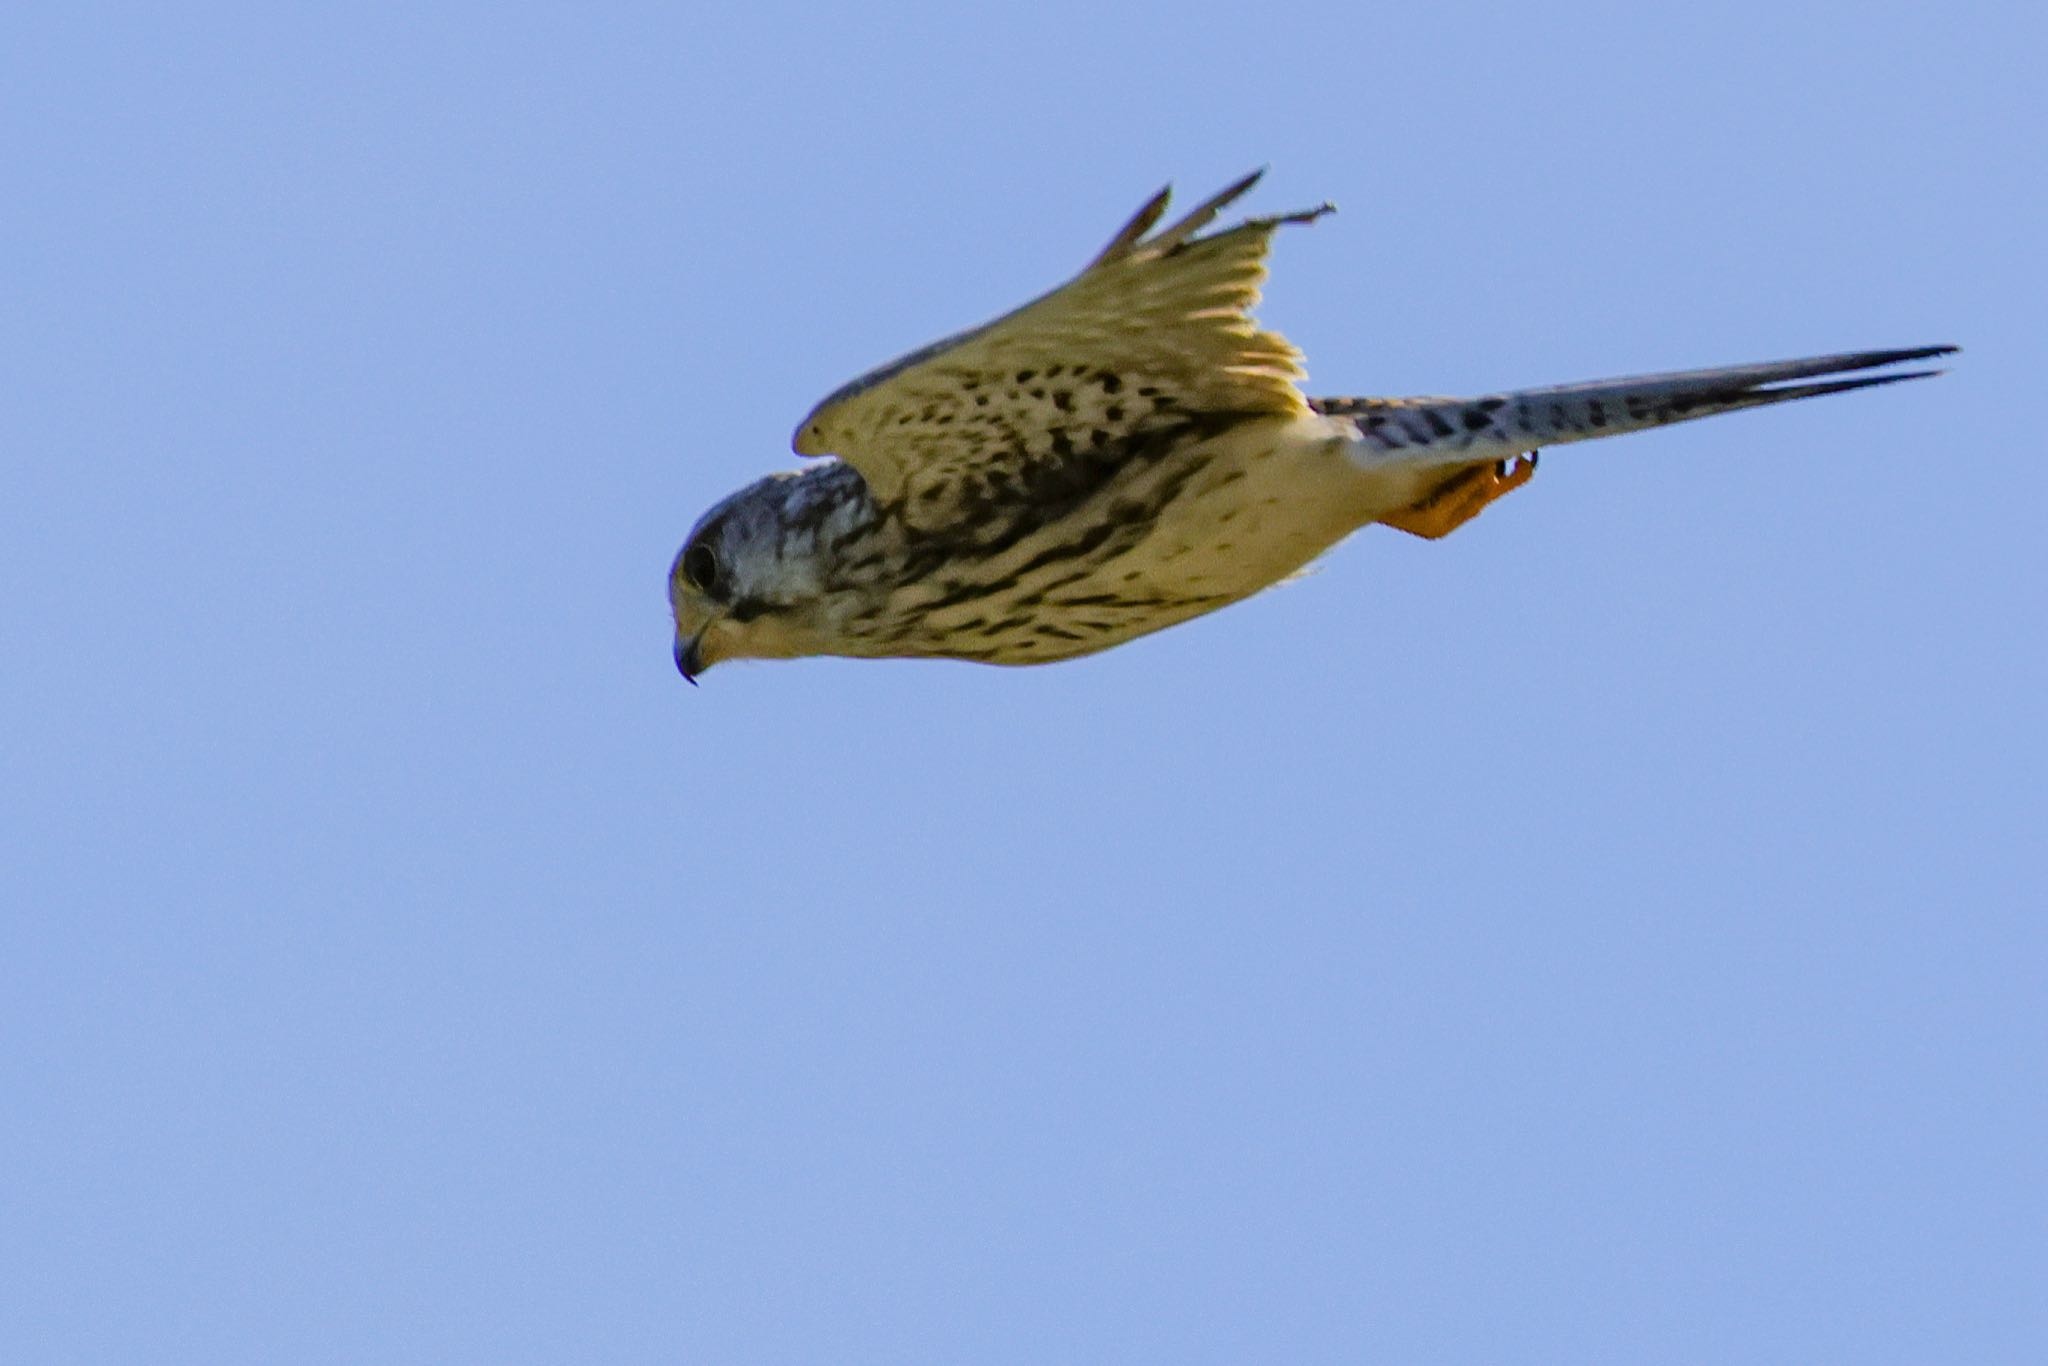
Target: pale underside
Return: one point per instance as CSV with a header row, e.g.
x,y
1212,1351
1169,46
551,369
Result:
x,y
1211,521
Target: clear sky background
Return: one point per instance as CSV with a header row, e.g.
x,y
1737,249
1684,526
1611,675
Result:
x,y
1613,933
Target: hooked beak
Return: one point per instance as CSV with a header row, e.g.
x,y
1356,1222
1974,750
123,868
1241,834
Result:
x,y
689,660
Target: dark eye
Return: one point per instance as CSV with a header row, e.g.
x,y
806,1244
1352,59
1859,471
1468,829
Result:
x,y
700,568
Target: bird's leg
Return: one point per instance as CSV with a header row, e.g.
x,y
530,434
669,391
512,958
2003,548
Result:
x,y
1461,497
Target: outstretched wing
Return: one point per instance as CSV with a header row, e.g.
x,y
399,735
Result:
x,y
1153,332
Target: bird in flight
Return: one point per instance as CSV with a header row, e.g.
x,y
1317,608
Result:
x,y
1124,453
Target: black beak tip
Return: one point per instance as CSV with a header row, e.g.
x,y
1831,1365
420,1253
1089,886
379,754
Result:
x,y
687,663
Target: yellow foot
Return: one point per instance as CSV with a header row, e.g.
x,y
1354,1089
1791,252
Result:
x,y
1461,497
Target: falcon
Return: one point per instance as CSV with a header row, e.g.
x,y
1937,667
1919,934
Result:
x,y
1124,453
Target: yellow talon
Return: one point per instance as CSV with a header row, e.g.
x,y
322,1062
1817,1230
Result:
x,y
1463,496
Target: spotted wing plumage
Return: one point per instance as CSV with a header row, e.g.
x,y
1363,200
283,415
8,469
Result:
x,y
1153,333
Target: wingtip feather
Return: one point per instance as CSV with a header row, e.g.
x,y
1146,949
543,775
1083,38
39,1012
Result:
x,y
1205,213
1131,233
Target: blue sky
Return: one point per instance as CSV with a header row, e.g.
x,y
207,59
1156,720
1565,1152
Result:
x,y
1614,932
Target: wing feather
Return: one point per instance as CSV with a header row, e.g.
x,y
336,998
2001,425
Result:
x,y
1154,331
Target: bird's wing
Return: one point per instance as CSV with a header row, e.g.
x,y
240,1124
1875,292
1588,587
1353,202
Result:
x,y
1152,333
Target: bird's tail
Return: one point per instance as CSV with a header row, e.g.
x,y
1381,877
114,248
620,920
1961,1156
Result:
x,y
1443,431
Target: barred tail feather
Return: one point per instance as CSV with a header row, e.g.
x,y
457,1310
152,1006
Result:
x,y
1458,431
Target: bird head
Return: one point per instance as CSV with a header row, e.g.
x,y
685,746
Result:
x,y
751,581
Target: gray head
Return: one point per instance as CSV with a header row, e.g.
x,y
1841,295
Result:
x,y
754,581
